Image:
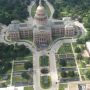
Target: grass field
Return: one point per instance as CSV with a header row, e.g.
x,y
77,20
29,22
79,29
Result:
x,y
62,86
65,49
45,82
19,67
28,88
44,61
19,79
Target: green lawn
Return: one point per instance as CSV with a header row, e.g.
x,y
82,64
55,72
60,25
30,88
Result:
x,y
45,82
35,7
62,86
44,61
74,45
65,49
30,39
33,10
71,63
19,67
19,79
30,58
28,88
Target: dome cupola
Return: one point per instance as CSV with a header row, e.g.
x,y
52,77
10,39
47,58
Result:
x,y
40,15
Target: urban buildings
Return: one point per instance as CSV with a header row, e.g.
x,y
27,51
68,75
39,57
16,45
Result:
x,y
43,30
84,85
88,47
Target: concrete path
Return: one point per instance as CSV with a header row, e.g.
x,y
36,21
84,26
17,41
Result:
x,y
30,18
50,7
36,71
76,63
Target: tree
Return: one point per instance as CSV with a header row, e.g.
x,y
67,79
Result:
x,y
28,65
79,56
63,62
83,65
78,50
88,74
25,75
10,52
44,70
81,40
56,15
13,10
71,73
63,74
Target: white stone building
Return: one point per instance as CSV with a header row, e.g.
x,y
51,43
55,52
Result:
x,y
43,30
88,47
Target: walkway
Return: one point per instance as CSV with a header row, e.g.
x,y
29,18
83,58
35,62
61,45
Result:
x,y
51,8
76,62
36,71
53,71
30,18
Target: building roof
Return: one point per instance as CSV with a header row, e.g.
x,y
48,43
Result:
x,y
17,26
84,85
40,8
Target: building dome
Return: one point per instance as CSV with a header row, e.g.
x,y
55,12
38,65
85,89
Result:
x,y
40,15
40,10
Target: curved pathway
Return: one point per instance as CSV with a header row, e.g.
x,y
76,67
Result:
x,y
51,8
31,5
30,18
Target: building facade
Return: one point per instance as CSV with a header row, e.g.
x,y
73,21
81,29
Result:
x,y
88,47
43,30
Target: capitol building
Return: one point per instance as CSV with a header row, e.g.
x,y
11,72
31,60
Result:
x,y
43,30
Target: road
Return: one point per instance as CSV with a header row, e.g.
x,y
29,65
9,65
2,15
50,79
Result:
x,y
56,46
36,71
53,71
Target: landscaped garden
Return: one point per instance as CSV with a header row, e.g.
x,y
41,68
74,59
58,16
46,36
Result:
x,y
66,65
8,53
66,62
28,88
69,74
62,86
44,61
23,72
83,61
65,49
45,82
24,78
18,67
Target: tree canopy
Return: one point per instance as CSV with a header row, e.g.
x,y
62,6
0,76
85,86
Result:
x,y
13,10
10,52
71,7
